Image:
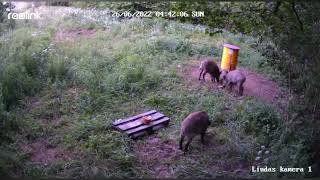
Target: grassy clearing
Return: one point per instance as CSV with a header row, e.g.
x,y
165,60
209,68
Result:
x,y
77,88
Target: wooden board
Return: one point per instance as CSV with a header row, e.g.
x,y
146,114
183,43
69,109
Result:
x,y
135,128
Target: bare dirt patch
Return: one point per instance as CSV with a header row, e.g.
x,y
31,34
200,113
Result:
x,y
157,156
259,86
46,112
42,153
256,85
152,152
72,34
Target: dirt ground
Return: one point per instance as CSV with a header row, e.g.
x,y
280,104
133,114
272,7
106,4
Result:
x,y
152,151
44,154
164,151
256,85
157,156
40,150
72,34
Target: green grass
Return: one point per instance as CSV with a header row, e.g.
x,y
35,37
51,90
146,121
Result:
x,y
78,88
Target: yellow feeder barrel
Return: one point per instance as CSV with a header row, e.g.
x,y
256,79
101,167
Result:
x,y
229,57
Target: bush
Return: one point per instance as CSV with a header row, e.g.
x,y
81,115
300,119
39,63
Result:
x,y
238,142
57,70
16,83
132,65
23,63
133,76
6,24
57,3
8,160
258,119
292,141
7,126
3,112
31,65
290,150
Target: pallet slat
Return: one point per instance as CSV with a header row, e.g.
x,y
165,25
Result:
x,y
121,121
154,128
140,128
137,122
134,127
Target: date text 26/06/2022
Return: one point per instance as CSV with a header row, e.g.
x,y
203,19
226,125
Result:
x,y
146,14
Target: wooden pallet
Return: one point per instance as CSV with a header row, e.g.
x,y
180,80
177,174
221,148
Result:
x,y
135,128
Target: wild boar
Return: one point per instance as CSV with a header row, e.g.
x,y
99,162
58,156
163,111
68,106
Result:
x,y
231,78
209,66
194,124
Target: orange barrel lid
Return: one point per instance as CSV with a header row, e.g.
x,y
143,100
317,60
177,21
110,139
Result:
x,y
231,46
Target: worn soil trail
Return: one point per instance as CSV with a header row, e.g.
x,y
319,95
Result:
x,y
73,34
256,85
158,156
151,152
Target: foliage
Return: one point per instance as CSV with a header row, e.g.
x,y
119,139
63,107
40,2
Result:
x,y
22,72
57,3
5,23
288,33
78,87
257,119
290,25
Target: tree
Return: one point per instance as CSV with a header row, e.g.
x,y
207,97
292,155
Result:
x,y
5,23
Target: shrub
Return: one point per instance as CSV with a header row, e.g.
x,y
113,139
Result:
x,y
2,109
120,66
238,142
7,126
8,160
31,65
57,3
57,70
292,141
258,119
16,83
290,150
6,24
134,76
23,63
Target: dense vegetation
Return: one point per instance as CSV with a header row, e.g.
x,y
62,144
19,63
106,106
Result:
x,y
288,36
293,26
64,94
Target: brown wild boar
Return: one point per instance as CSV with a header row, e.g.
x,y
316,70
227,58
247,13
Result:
x,y
209,66
231,78
196,123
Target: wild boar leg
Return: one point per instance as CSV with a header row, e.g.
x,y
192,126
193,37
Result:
x,y
201,71
202,137
203,76
181,142
187,145
241,89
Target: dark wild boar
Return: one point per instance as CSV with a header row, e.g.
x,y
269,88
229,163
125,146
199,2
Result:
x,y
209,66
196,123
